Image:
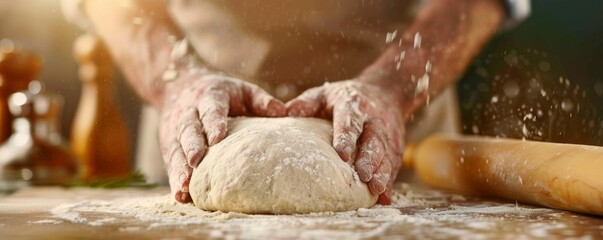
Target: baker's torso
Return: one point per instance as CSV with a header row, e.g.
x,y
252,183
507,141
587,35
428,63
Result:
x,y
287,46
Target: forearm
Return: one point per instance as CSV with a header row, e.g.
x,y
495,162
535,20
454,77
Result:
x,y
434,51
140,36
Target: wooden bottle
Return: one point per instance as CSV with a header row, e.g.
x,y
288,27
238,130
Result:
x,y
99,138
17,68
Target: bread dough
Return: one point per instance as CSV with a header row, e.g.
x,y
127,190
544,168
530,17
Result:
x,y
277,166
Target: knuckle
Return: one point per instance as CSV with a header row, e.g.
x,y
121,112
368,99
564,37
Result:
x,y
214,121
386,167
373,144
381,144
172,153
211,91
213,109
344,139
373,147
354,108
219,123
382,181
217,108
192,140
356,125
219,85
187,129
252,88
377,185
350,123
377,123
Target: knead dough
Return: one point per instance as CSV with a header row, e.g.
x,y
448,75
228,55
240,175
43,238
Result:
x,y
277,166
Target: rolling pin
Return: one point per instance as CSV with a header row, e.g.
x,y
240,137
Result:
x,y
562,176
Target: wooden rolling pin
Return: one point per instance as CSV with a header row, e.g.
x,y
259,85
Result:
x,y
563,176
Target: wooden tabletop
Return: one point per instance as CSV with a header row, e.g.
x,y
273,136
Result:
x,y
418,213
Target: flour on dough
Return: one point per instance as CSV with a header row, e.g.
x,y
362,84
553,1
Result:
x,y
277,166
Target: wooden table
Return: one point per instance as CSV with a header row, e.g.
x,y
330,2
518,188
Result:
x,y
420,213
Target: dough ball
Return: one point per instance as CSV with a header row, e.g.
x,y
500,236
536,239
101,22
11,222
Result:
x,y
277,166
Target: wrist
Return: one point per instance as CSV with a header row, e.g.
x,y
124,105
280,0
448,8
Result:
x,y
434,51
182,61
386,87
182,69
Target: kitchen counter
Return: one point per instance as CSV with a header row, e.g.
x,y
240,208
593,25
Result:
x,y
60,213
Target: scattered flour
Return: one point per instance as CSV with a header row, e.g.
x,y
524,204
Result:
x,y
45,221
130,229
505,209
542,230
102,221
422,214
66,212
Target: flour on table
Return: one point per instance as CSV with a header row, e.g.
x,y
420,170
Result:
x,y
416,214
102,221
45,221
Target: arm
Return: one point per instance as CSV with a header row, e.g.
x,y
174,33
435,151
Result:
x,y
140,36
194,100
369,111
436,49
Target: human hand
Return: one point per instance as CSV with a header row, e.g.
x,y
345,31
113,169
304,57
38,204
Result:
x,y
194,117
367,129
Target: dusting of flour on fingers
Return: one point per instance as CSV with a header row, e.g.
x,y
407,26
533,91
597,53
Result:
x,y
194,117
367,128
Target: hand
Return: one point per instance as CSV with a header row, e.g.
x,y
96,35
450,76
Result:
x,y
194,116
367,129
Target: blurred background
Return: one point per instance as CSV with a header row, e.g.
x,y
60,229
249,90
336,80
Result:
x,y
542,80
39,26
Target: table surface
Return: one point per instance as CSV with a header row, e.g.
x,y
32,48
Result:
x,y
418,213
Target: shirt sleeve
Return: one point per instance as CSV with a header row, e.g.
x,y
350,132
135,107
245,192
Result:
x,y
74,13
517,12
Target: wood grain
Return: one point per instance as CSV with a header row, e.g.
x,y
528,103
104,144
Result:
x,y
562,176
436,217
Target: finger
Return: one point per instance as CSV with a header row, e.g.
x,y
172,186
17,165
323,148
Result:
x,y
386,197
397,157
378,182
213,110
307,104
261,103
191,138
348,123
179,172
237,105
372,150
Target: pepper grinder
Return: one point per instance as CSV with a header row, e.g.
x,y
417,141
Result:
x,y
99,138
